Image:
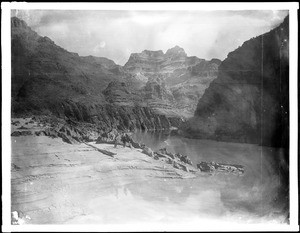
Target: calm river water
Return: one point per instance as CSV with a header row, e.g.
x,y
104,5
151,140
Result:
x,y
251,198
253,195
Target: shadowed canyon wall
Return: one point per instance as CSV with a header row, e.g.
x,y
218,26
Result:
x,y
249,100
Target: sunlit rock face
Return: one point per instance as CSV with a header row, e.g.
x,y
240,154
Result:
x,y
128,108
249,100
184,77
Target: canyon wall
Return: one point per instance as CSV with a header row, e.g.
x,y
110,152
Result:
x,y
47,79
249,100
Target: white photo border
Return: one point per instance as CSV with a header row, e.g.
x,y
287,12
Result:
x,y
192,226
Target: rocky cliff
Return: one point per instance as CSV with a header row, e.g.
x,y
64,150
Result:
x,y
43,71
184,77
47,79
249,100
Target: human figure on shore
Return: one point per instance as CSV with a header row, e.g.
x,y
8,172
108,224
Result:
x,y
104,136
113,133
117,139
125,138
129,140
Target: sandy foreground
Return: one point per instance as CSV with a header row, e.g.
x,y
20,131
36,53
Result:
x,y
54,182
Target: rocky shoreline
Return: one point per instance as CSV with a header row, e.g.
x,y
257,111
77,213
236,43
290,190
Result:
x,y
56,163
72,132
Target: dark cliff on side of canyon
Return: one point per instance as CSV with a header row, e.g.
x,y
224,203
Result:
x,y
249,100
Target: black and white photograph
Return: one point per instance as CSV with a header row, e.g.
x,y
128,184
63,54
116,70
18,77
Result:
x,y
150,116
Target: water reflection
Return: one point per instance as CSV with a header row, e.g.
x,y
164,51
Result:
x,y
252,198
178,201
256,193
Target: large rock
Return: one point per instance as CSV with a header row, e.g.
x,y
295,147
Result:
x,y
211,167
249,101
148,151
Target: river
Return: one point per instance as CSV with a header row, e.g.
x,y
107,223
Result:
x,y
212,199
254,196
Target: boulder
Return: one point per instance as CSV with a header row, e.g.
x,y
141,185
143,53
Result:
x,y
185,159
136,145
39,133
51,133
163,150
185,168
221,167
176,165
204,167
148,151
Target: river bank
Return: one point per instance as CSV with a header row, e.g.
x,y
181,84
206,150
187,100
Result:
x,y
54,181
59,175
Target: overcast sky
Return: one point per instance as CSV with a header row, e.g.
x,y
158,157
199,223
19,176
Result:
x,y
117,34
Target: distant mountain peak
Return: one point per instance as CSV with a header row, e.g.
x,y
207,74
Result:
x,y
177,51
176,47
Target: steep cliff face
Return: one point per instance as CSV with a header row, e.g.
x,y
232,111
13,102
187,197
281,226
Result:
x,y
144,110
249,101
155,89
160,98
122,94
42,70
188,91
184,77
148,61
48,79
106,116
173,67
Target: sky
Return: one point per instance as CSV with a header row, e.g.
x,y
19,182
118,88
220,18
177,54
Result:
x,y
117,34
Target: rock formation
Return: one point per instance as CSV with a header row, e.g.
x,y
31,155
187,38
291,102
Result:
x,y
249,100
47,79
212,167
183,78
